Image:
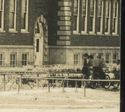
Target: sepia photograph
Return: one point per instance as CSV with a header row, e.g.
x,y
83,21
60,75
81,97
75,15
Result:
x,y
60,55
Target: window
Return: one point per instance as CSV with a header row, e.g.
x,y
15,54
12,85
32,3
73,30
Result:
x,y
107,58
76,16
1,60
99,16
1,14
76,59
115,18
107,16
12,15
13,59
24,59
91,15
24,15
94,16
115,57
37,45
84,16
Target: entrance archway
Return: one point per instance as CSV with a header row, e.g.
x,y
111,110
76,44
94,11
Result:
x,y
40,41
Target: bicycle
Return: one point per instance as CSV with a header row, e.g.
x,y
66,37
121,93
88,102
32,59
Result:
x,y
98,76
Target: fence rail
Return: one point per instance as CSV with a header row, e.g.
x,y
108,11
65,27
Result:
x,y
34,75
83,81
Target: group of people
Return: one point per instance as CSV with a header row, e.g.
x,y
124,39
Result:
x,y
93,66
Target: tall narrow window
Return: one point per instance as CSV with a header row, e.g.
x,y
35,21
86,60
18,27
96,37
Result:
x,y
84,15
107,16
91,15
24,15
24,59
12,15
1,59
1,14
76,59
13,60
37,45
115,57
115,18
107,58
99,15
76,16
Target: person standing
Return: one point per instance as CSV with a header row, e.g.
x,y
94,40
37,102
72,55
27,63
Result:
x,y
98,65
85,69
116,70
90,65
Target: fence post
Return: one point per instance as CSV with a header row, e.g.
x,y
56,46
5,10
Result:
x,y
67,83
4,81
38,81
75,86
81,84
18,79
63,86
84,89
48,86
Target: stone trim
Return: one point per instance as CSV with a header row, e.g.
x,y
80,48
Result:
x,y
63,32
63,42
63,3
62,13
65,18
64,38
64,23
16,46
65,28
83,47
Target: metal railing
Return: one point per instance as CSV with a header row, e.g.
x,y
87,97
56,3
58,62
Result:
x,y
20,75
83,82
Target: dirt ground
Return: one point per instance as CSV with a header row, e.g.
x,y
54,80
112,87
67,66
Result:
x,y
56,99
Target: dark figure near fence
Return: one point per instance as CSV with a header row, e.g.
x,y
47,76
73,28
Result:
x,y
116,70
98,64
85,68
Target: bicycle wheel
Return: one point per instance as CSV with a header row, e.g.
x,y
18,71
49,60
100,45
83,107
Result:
x,y
107,84
116,85
93,85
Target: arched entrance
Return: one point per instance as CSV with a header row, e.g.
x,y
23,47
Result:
x,y
40,41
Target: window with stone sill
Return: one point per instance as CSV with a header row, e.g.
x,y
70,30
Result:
x,y
13,59
91,15
24,15
12,15
107,16
84,16
99,16
25,59
76,16
1,15
115,57
76,59
1,60
107,57
115,18
95,15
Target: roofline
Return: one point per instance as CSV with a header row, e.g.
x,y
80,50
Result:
x,y
16,46
82,47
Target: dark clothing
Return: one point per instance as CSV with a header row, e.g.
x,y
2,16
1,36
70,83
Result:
x,y
117,74
98,73
98,69
85,69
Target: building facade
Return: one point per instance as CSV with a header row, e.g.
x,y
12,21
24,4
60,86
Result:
x,y
38,32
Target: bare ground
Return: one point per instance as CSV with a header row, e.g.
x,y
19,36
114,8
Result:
x,y
56,99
